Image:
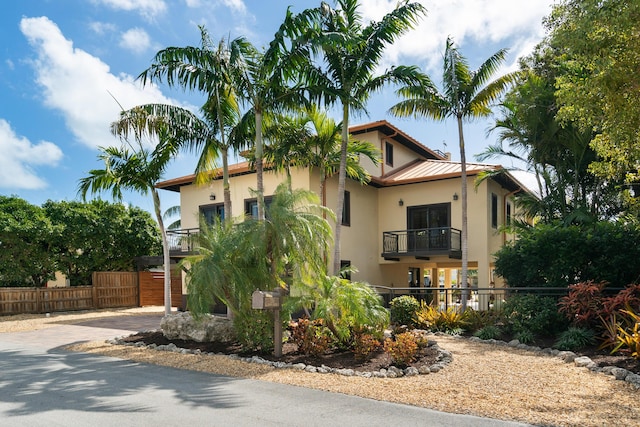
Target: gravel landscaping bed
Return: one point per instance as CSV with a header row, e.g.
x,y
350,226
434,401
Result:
x,y
483,378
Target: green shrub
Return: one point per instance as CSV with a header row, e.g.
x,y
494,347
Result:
x,y
403,309
478,319
575,338
525,337
534,313
403,349
255,331
489,332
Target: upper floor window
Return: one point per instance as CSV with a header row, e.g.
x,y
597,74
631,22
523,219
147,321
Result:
x,y
508,219
211,212
346,209
251,206
388,150
494,210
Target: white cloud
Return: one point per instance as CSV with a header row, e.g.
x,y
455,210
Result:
x,y
80,86
511,24
136,40
102,27
19,155
235,5
147,8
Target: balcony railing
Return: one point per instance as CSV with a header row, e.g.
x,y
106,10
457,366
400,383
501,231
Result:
x,y
182,242
422,242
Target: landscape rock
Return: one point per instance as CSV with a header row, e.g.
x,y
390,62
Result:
x,y
210,328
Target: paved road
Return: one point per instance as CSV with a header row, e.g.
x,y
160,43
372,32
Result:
x,y
42,385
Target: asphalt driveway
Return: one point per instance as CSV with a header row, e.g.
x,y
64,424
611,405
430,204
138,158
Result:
x,y
43,385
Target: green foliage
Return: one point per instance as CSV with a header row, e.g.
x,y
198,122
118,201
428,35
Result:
x,y
478,319
311,336
254,330
403,309
489,332
402,349
345,306
525,336
73,237
575,338
100,236
533,313
450,321
603,252
26,244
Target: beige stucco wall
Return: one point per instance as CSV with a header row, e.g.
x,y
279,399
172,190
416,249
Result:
x,y
194,196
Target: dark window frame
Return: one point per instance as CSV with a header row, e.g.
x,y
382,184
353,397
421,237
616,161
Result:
x,y
345,218
494,210
249,203
345,263
217,207
388,153
509,214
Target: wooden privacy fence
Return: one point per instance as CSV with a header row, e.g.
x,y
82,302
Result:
x,y
109,290
152,288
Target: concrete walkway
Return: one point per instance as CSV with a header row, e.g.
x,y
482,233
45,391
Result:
x,y
42,385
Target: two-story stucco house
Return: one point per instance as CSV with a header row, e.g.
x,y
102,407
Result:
x,y
402,230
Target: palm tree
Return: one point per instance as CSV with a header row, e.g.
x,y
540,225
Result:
x,y
281,251
312,139
351,53
466,95
213,70
135,169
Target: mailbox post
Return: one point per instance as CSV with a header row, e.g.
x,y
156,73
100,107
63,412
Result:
x,y
270,300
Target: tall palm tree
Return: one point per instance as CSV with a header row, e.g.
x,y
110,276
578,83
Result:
x,y
200,134
212,69
350,54
313,139
465,95
135,168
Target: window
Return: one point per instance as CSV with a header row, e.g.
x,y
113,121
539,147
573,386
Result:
x,y
388,149
494,210
346,209
251,206
211,212
508,214
429,216
347,274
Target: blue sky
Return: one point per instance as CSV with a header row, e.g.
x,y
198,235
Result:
x,y
60,61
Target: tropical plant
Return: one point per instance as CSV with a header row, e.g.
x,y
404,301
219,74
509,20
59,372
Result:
x,y
280,252
403,309
345,306
451,321
583,304
490,332
629,333
466,95
533,313
350,54
214,70
135,168
575,338
311,336
402,349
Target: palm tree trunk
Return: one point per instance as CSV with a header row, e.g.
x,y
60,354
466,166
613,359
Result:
x,y
166,259
463,233
225,184
342,175
259,166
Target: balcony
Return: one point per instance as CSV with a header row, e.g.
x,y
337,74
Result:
x,y
182,242
421,243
